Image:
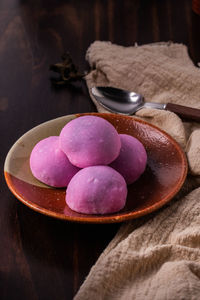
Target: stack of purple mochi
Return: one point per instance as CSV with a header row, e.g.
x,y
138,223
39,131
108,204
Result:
x,y
93,161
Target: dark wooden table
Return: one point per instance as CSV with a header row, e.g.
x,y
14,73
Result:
x,y
41,257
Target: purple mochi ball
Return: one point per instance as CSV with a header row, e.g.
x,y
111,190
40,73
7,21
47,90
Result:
x,y
96,190
132,159
50,165
89,141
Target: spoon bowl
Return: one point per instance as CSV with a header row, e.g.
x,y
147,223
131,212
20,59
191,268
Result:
x,y
121,101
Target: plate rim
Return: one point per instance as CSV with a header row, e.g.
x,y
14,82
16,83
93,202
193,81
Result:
x,y
97,219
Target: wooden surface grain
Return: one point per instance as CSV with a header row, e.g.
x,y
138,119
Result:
x,y
40,257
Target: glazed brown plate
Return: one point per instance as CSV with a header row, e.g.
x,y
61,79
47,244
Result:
x,y
164,175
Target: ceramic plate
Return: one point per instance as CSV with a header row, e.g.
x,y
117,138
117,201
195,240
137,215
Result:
x,y
164,175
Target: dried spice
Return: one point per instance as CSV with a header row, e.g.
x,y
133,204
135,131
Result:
x,y
67,71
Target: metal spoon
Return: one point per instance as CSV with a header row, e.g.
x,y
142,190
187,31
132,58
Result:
x,y
126,102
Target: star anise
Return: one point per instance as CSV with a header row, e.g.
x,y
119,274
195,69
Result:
x,y
67,71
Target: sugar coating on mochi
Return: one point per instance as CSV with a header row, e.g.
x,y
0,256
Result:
x,y
89,141
96,190
132,159
50,165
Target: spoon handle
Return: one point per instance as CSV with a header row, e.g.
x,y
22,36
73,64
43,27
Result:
x,y
187,113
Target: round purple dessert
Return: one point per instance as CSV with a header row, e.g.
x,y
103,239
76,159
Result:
x,y
50,165
89,141
96,190
132,159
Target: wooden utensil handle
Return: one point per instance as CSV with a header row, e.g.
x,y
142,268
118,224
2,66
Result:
x,y
187,113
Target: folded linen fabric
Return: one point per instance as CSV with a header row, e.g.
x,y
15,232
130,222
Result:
x,y
156,256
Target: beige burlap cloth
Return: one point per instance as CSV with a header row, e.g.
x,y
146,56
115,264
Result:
x,y
156,256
